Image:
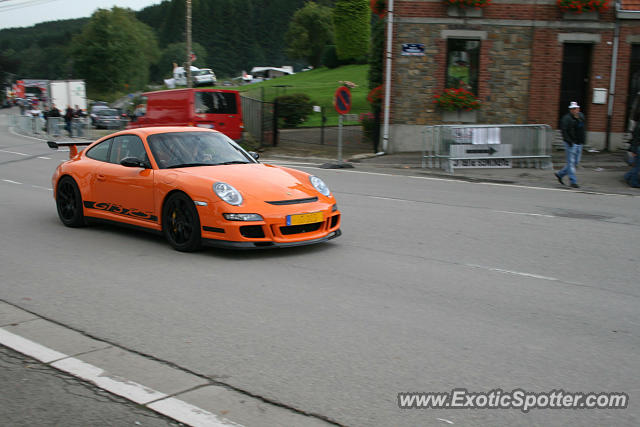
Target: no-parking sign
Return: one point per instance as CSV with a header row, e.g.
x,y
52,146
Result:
x,y
342,100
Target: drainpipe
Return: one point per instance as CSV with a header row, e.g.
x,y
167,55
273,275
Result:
x,y
387,84
612,83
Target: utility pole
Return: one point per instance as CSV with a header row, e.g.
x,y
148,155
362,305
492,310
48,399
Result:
x,y
188,67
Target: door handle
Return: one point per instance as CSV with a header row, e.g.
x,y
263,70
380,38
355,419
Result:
x,y
100,177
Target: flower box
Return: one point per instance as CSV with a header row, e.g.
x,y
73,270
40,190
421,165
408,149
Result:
x,y
583,6
460,116
464,12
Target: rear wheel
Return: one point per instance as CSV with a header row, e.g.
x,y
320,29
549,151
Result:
x,y
69,203
181,223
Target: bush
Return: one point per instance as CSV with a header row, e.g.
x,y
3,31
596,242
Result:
x,y
368,123
330,57
293,109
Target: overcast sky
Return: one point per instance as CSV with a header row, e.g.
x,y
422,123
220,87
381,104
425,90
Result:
x,y
25,13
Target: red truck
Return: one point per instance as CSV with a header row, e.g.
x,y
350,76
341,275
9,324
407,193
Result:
x,y
217,109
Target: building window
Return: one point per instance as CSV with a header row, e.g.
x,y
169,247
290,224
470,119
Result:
x,y
633,95
463,64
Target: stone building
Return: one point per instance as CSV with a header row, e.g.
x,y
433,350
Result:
x,y
525,60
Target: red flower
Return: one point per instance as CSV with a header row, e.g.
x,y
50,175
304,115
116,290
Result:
x,y
453,99
379,7
583,5
468,3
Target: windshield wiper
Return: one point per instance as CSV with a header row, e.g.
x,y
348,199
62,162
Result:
x,y
186,165
233,162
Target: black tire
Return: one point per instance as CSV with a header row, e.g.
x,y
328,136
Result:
x,y
181,223
69,203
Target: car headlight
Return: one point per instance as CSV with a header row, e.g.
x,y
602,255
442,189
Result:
x,y
227,193
242,217
319,185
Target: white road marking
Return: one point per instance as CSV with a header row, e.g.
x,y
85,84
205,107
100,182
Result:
x,y
157,401
42,188
527,214
494,184
189,414
444,421
516,273
28,347
44,158
12,182
14,152
116,385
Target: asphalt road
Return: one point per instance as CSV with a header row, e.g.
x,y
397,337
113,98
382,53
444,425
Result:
x,y
434,285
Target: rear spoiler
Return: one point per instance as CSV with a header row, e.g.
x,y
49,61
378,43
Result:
x,y
73,146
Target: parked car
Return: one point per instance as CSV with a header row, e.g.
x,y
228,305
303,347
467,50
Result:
x,y
97,106
108,118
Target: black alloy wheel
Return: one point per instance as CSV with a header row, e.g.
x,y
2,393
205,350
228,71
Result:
x,y
69,203
181,223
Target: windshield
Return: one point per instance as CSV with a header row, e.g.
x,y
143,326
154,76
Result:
x,y
185,149
107,112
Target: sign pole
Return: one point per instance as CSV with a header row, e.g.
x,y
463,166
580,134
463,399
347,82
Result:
x,y
340,138
342,104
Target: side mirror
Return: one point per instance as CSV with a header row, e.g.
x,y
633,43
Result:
x,y
255,155
132,162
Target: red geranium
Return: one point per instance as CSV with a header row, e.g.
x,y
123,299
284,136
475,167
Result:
x,y
468,3
453,99
579,6
379,7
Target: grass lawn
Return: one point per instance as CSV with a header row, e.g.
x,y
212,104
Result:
x,y
320,85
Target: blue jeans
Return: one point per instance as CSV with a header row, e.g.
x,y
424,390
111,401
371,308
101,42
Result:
x,y
572,154
579,156
632,176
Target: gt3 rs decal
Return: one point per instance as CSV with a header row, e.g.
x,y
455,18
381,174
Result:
x,y
110,207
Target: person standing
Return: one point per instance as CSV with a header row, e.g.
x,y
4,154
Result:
x,y
573,127
68,117
632,177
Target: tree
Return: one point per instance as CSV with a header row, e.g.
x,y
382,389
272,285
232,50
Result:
x,y
176,53
310,30
352,26
114,51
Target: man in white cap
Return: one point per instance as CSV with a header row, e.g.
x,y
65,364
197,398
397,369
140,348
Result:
x,y
573,134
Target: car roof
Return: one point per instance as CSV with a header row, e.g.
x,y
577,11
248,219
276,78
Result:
x,y
146,131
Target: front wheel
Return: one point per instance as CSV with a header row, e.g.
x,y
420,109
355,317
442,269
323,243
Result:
x,y
181,223
69,203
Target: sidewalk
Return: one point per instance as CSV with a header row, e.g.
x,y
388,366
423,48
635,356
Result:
x,y
597,172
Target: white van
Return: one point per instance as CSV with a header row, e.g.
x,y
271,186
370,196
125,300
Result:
x,y
201,77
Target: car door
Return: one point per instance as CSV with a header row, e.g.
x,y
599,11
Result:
x,y
127,190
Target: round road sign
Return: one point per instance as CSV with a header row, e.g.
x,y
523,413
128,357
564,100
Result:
x,y
342,100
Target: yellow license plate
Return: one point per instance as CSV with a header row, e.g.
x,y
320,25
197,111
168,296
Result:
x,y
307,218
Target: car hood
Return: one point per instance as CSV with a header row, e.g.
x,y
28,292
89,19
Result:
x,y
258,181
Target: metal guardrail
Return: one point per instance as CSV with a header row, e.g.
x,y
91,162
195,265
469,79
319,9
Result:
x,y
528,146
56,127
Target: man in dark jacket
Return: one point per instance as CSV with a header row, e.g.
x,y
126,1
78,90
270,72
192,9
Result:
x,y
573,134
632,177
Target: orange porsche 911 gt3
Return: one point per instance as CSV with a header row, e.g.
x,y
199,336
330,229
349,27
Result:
x,y
194,185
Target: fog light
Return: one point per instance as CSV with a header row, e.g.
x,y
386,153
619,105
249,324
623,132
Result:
x,y
242,217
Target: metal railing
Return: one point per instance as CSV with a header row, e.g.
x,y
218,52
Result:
x,y
56,127
451,146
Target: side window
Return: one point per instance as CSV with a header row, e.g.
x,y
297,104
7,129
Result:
x,y
463,64
100,151
127,146
216,103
